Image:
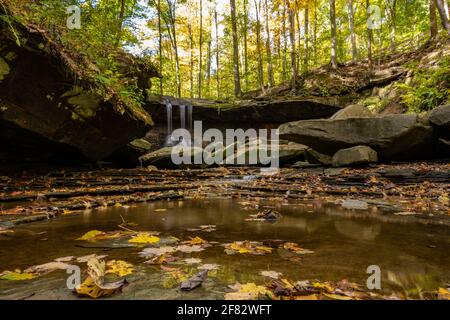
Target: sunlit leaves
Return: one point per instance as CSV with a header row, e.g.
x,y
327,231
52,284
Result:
x,y
16,275
143,238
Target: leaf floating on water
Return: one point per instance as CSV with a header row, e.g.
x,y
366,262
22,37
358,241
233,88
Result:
x,y
119,267
47,267
251,247
209,266
194,281
147,252
65,259
91,289
193,241
189,249
192,261
16,275
89,257
444,294
293,247
271,274
96,235
144,237
248,291
204,228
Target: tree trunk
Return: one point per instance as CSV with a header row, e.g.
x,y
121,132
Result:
x,y
258,46
443,14
351,20
237,80
284,63
200,45
160,48
306,53
369,37
120,22
208,64
245,31
291,14
268,49
217,55
191,60
433,19
333,34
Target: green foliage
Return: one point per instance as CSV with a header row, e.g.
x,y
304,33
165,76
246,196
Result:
x,y
429,87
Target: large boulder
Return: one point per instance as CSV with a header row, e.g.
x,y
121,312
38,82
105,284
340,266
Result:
x,y
400,136
440,117
354,156
164,157
352,111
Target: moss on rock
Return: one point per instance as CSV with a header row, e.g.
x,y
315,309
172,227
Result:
x,y
4,69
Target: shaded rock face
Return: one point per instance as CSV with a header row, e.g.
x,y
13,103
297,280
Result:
x,y
352,111
35,103
254,112
392,137
354,156
440,117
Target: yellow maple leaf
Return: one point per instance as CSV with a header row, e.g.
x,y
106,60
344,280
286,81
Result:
x,y
16,275
119,267
144,237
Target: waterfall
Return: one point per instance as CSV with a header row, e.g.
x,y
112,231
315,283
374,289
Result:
x,y
182,116
169,117
189,117
169,121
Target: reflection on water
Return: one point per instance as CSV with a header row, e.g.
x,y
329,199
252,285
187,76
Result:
x,y
412,257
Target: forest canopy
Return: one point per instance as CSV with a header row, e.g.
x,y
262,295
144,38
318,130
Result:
x,y
222,48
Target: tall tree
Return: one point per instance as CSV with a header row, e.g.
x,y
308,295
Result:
x,y
120,22
433,19
237,79
443,14
258,45
351,22
268,49
392,9
217,55
306,53
333,34
200,46
160,47
369,36
245,32
291,14
170,20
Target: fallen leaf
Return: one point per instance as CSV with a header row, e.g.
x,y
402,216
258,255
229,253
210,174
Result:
x,y
193,241
47,267
189,249
119,267
192,261
89,257
209,266
16,275
293,247
147,252
144,237
271,274
91,289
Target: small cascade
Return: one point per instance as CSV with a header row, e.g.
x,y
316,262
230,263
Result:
x,y
169,117
169,121
182,116
189,117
